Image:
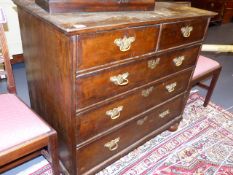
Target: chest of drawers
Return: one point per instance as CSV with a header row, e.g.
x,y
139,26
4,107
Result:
x,y
108,82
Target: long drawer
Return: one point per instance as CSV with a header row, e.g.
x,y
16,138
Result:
x,y
96,121
94,88
109,145
105,47
180,33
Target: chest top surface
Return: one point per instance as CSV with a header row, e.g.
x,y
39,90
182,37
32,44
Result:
x,y
75,23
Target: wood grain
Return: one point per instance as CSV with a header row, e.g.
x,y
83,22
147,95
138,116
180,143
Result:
x,y
62,6
70,59
93,123
172,35
127,135
138,74
99,48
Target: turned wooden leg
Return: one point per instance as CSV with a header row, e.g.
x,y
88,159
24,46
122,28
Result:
x,y
174,127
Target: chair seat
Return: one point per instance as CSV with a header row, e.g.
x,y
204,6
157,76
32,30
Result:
x,y
204,66
17,122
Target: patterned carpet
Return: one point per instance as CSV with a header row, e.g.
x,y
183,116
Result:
x,y
203,145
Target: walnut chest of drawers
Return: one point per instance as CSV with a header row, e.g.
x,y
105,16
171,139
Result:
x,y
108,82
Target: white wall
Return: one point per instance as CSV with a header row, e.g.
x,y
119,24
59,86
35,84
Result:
x,y
13,33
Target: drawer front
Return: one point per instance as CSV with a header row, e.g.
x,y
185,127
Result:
x,y
111,144
92,89
96,121
176,34
102,48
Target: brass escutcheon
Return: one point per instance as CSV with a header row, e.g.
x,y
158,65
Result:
x,y
186,31
147,92
113,144
114,113
142,121
121,79
164,114
171,87
178,61
124,43
153,63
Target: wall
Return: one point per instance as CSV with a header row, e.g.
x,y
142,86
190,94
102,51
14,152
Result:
x,y
12,27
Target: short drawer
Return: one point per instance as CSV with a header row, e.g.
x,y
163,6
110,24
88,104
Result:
x,y
96,121
180,33
113,143
102,48
94,88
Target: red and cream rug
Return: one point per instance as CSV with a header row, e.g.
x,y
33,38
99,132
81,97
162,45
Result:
x,y
203,145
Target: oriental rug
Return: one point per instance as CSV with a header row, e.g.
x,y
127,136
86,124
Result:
x,y
203,145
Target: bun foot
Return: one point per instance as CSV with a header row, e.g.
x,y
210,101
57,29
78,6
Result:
x,y
173,127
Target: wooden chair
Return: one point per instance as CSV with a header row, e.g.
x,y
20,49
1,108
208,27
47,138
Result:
x,y
23,134
206,68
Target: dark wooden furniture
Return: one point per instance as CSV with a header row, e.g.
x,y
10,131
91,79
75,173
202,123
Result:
x,y
224,8
108,82
206,68
211,5
228,11
23,135
61,6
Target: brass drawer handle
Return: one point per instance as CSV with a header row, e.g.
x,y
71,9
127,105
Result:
x,y
115,113
142,121
171,87
113,144
164,114
121,79
124,43
178,61
153,63
147,92
186,31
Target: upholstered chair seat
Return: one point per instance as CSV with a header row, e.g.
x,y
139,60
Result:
x,y
205,66
18,123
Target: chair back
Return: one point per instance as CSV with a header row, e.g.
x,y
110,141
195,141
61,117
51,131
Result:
x,y
5,57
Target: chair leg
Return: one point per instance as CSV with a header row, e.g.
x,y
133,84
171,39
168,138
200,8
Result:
x,y
212,86
53,151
